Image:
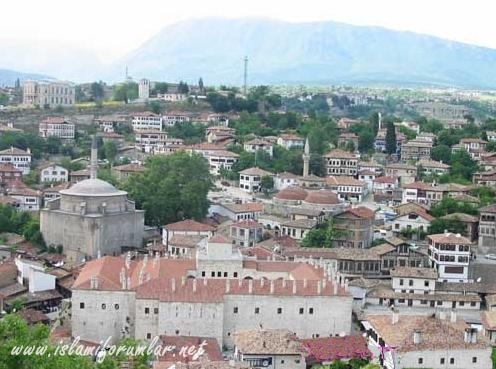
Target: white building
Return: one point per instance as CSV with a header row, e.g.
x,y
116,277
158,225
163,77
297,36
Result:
x,y
414,220
428,166
284,180
186,227
450,254
258,144
341,163
20,159
414,280
107,123
290,141
172,118
144,89
27,198
426,341
147,121
53,173
247,210
48,93
57,127
33,274
491,135
172,97
250,179
347,188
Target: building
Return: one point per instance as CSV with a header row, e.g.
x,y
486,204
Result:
x,y
485,178
172,97
345,138
53,192
269,349
51,94
491,135
432,167
405,173
297,229
416,150
291,141
246,233
118,297
416,222
354,228
487,228
57,127
450,255
221,133
144,90
250,179
426,341
470,222
108,123
217,157
284,180
259,144
147,120
79,175
123,172
172,118
188,227
154,142
20,159
26,198
92,218
9,173
53,173
341,163
235,212
347,188
380,141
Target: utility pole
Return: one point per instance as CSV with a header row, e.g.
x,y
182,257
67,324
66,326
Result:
x,y
245,75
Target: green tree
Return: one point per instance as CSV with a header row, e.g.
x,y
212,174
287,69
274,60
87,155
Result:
x,y
390,138
183,88
155,107
110,150
126,92
174,187
97,91
349,146
462,165
200,85
266,184
53,145
451,225
449,205
366,141
441,153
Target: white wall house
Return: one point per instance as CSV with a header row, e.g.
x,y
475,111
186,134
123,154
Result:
x,y
27,198
54,173
33,274
250,179
418,220
284,180
147,121
20,159
450,254
259,144
290,141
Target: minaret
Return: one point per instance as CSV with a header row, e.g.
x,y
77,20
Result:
x,y
94,159
306,159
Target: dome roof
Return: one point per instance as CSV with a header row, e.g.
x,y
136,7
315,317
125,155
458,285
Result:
x,y
93,187
322,197
292,193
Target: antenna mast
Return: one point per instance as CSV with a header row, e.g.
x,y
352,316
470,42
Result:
x,y
245,75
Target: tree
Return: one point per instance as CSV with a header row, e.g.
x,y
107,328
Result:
x,y
390,138
183,87
173,188
97,91
451,225
53,145
449,205
109,150
441,153
126,92
366,141
350,146
200,85
266,184
160,88
462,165
155,107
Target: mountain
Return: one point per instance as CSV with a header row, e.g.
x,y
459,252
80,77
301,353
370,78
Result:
x,y
319,52
8,77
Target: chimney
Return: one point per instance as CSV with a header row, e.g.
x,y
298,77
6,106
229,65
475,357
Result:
x,y
228,285
205,281
194,285
417,337
324,284
470,335
346,284
250,286
319,287
446,231
305,283
272,286
294,287
173,284
283,283
240,282
395,317
453,316
335,286
262,282
183,281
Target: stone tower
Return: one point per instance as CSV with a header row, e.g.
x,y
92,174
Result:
x,y
144,89
94,159
306,159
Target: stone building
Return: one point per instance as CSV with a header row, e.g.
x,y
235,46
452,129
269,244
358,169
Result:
x,y
354,228
341,163
92,218
487,228
52,93
57,127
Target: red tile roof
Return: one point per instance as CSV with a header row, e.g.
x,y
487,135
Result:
x,y
335,348
340,154
450,238
189,225
248,224
361,212
218,239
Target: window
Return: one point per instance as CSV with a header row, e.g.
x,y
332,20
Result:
x,y
104,306
297,361
203,274
155,310
177,331
279,310
116,306
147,310
257,310
474,359
420,360
441,361
225,274
148,336
472,303
439,302
310,311
235,310
219,274
81,305
301,310
426,283
235,274
452,360
282,361
410,282
401,282
212,274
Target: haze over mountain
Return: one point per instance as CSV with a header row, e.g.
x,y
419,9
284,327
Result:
x,y
319,52
278,52
8,77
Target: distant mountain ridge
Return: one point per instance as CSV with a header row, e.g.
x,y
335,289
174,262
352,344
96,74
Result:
x,y
319,52
8,77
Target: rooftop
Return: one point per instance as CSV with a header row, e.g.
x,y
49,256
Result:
x,y
254,171
450,238
189,225
246,207
412,272
292,193
269,342
340,154
336,348
93,187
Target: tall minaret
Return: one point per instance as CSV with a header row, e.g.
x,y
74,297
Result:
x,y
94,159
306,159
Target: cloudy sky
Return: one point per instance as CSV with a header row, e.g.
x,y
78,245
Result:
x,y
111,28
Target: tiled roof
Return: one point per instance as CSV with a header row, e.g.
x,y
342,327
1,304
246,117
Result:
x,y
300,223
246,207
361,212
432,164
32,316
322,197
383,248
14,151
218,238
55,120
345,253
340,154
8,167
268,342
385,179
292,193
185,241
255,172
413,272
344,181
420,213
462,217
287,175
488,209
489,320
290,137
417,186
189,225
336,348
212,349
249,223
436,334
450,238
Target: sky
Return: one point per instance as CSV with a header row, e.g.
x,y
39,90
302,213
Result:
x,y
112,28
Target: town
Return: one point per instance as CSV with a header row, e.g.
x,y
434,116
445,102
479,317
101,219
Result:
x,y
272,227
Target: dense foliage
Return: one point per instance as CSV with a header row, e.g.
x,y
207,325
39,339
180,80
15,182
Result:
x,y
21,222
